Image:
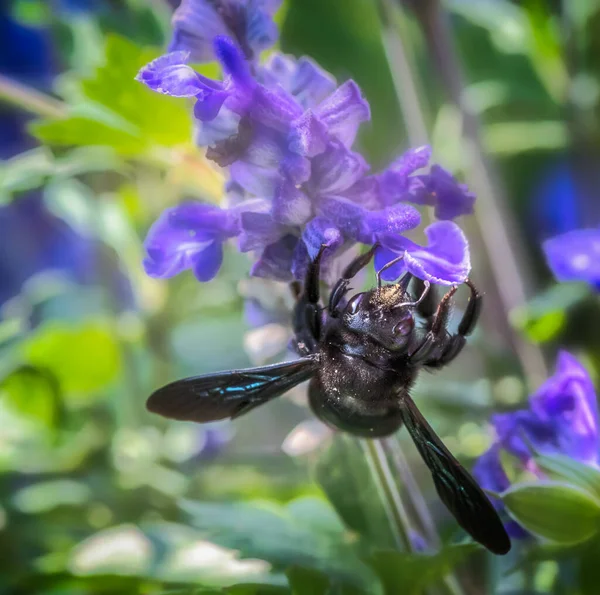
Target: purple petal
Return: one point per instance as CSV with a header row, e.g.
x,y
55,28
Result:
x,y
233,62
575,256
308,136
396,219
258,231
489,473
345,214
518,430
172,249
321,231
222,127
445,260
261,31
395,182
336,169
274,108
491,476
170,75
302,78
440,189
568,401
276,260
256,169
207,263
195,25
343,111
290,205
221,223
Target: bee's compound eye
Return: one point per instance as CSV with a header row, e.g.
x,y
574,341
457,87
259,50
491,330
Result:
x,y
404,327
354,304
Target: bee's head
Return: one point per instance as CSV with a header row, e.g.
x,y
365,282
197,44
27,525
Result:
x,y
385,314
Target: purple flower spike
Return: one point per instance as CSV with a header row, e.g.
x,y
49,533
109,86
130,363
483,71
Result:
x,y
189,236
196,23
575,256
445,260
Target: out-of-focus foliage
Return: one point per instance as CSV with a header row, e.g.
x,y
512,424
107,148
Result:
x,y
96,495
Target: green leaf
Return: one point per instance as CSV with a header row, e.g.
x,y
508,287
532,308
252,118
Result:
x,y
164,120
33,393
557,511
117,111
345,477
561,467
410,574
307,581
86,131
543,317
278,534
254,589
83,358
47,495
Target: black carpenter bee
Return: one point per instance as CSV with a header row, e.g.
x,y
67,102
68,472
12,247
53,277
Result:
x,y
361,356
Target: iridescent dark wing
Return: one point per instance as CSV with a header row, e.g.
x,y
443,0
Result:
x,y
228,394
455,486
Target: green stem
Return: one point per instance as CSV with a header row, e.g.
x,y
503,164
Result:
x,y
30,99
410,486
382,475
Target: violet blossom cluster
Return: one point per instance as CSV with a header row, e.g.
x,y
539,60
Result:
x,y
284,132
562,418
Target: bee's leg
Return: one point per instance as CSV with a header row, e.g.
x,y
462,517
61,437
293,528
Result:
x,y
341,287
426,307
455,343
306,319
433,341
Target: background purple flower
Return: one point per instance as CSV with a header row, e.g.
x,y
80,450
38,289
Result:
x,y
562,418
575,256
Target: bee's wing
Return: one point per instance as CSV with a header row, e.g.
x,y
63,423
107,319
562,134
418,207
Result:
x,y
228,394
455,486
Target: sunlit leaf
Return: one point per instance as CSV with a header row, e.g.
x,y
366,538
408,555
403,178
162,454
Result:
x,y
120,112
557,511
543,317
83,358
561,467
33,393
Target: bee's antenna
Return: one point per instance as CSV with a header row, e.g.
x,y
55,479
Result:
x,y
385,267
426,286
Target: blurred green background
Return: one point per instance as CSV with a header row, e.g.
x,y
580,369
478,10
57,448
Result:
x,y
97,495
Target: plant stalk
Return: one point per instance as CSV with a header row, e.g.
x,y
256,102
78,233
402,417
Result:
x,y
30,100
390,497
